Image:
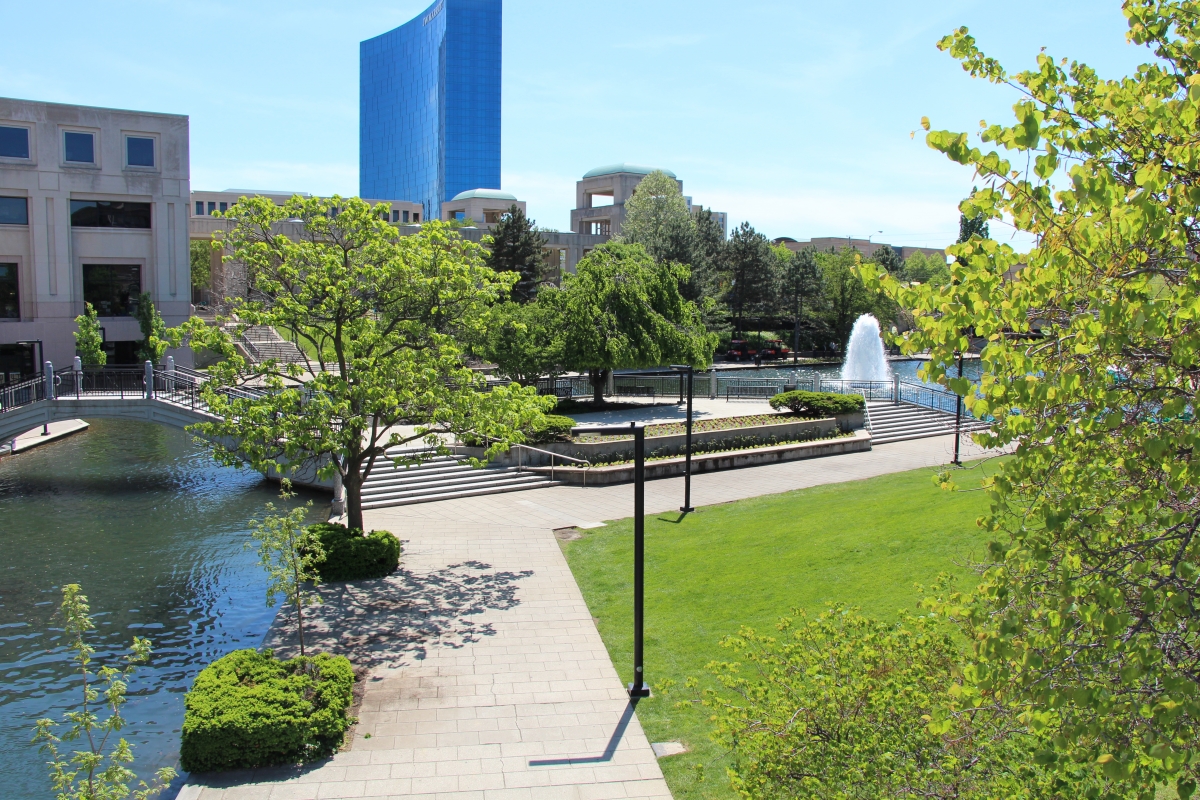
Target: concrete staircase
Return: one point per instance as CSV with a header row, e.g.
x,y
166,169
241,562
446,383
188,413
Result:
x,y
898,423
263,343
442,478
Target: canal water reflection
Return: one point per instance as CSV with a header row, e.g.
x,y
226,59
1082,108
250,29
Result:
x,y
154,531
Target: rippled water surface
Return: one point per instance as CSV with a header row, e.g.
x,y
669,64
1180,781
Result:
x,y
907,370
154,531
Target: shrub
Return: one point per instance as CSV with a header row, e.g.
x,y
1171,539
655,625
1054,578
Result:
x,y
818,404
551,428
250,709
350,556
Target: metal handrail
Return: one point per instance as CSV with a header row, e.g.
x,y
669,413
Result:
x,y
553,455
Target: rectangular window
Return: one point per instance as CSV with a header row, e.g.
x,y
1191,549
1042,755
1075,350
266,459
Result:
x,y
79,148
14,142
139,151
14,211
406,216
224,207
10,306
416,216
212,208
112,289
395,215
109,214
199,208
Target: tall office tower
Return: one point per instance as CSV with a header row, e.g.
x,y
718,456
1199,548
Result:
x,y
429,105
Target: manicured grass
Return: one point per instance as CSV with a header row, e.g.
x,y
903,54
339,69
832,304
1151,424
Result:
x,y
866,543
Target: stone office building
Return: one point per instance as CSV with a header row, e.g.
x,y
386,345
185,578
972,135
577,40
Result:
x,y
93,209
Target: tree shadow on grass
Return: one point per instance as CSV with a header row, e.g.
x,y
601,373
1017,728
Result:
x,y
393,621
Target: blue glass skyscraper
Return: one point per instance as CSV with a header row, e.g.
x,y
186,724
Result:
x,y
429,105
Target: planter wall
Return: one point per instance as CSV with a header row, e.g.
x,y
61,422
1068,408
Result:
x,y
677,443
712,462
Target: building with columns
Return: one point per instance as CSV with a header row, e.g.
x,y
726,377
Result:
x,y
601,195
93,209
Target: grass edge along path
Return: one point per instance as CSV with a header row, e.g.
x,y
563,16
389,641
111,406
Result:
x,y
865,543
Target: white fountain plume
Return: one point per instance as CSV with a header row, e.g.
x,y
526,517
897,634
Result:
x,y
865,358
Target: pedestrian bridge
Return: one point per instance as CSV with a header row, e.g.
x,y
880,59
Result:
x,y
166,395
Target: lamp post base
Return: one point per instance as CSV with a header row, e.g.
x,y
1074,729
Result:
x,y
638,691
686,509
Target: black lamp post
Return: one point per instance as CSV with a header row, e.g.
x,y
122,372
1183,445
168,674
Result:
x,y
687,473
639,687
958,409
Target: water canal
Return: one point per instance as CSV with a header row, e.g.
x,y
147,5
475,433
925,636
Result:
x,y
154,531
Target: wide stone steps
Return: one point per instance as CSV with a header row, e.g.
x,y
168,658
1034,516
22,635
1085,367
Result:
x,y
891,423
442,478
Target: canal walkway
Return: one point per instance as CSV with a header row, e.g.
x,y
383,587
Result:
x,y
488,678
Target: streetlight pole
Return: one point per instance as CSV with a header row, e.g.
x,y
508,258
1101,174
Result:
x,y
958,409
687,473
639,688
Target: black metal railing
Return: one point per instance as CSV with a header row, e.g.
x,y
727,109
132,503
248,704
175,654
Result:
x,y
16,395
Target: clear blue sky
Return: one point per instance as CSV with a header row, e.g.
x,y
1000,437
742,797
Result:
x,y
793,115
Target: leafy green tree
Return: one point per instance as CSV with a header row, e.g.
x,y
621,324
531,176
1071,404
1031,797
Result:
x,y
1088,612
889,259
289,550
749,270
525,340
621,309
154,330
847,297
200,259
708,255
657,218
799,287
920,268
89,340
381,318
843,706
517,247
99,771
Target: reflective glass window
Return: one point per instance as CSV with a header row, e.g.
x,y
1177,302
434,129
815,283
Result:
x,y
406,216
212,207
224,206
139,151
79,148
112,289
109,214
14,211
14,142
10,305
199,208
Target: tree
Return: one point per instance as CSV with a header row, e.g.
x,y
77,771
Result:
x,y
622,310
843,706
524,340
889,259
1088,612
749,272
89,339
972,226
98,772
708,254
381,317
517,247
799,283
154,330
289,551
920,268
847,297
200,259
657,218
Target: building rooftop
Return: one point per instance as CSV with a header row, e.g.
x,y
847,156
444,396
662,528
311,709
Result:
x,y
633,169
484,194
261,192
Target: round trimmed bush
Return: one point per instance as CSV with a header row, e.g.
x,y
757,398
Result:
x,y
250,709
816,405
350,556
551,428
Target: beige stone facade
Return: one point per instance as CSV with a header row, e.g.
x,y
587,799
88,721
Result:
x,y
95,208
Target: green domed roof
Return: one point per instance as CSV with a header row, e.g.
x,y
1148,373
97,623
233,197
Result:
x,y
483,194
634,169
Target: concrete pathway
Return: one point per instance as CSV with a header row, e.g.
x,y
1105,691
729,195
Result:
x,y
488,679
34,438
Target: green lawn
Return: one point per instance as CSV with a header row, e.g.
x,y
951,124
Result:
x,y
866,543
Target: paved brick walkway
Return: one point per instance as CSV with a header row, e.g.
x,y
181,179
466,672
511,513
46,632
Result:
x,y
488,678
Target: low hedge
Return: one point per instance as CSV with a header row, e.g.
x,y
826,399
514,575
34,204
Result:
x,y
350,556
549,428
816,405
250,709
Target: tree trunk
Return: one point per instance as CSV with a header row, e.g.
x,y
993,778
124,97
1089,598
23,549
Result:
x,y
300,619
796,341
596,376
352,486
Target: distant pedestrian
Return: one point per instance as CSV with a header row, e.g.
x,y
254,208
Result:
x,y
758,361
